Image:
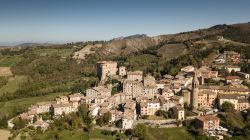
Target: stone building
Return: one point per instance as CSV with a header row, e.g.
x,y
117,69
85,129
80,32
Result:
x,y
149,81
76,97
166,105
128,120
167,93
149,107
62,100
179,111
206,99
208,122
240,102
207,73
226,89
186,96
100,91
106,69
149,91
135,76
59,109
43,107
133,88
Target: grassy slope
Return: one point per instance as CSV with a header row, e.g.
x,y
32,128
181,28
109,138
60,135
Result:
x,y
74,135
9,61
232,120
61,52
140,62
178,133
13,84
171,51
8,107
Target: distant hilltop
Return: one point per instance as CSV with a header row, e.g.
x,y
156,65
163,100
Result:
x,y
130,37
33,44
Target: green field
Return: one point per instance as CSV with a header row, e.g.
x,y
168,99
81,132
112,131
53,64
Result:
x,y
52,51
13,84
177,133
74,135
7,108
9,61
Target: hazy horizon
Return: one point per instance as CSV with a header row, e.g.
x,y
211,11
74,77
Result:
x,y
34,21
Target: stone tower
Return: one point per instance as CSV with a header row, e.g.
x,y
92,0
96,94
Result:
x,y
195,90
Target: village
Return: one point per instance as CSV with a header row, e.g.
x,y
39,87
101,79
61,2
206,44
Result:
x,y
134,97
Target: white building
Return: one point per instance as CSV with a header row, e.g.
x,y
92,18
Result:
x,y
180,113
122,71
168,104
230,68
128,119
62,100
76,97
149,107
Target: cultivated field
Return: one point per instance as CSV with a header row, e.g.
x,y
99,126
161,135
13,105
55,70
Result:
x,y
9,107
13,84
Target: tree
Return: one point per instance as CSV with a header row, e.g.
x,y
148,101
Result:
x,y
145,117
34,119
233,73
83,111
118,123
19,124
159,112
3,122
104,119
39,129
99,121
140,131
247,131
227,107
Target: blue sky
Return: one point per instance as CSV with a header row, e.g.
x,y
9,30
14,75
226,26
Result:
x,y
81,20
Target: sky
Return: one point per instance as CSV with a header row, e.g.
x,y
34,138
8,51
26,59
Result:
x,y
60,21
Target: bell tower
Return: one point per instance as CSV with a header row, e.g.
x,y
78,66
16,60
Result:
x,y
195,90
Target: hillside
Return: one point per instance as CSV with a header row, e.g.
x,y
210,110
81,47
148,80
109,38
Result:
x,y
51,70
174,45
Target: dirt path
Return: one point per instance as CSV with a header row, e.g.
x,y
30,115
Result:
x,y
4,134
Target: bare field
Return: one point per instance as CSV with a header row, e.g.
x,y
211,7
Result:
x,y
4,134
85,51
5,71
